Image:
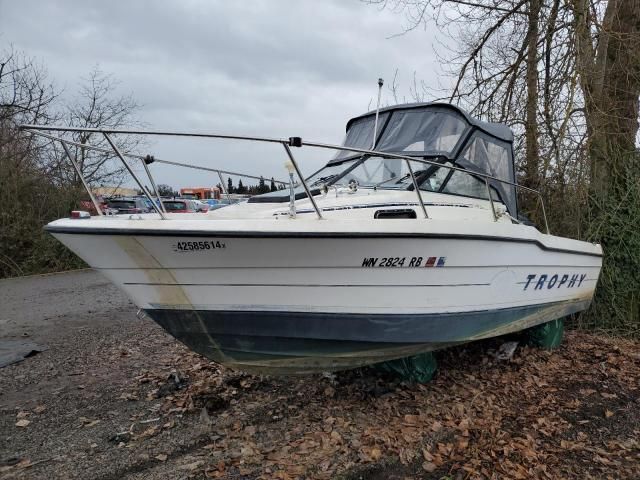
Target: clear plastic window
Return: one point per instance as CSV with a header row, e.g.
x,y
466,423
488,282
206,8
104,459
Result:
x,y
489,156
360,134
432,131
462,183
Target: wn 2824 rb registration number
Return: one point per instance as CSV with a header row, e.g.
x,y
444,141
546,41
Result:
x,y
407,262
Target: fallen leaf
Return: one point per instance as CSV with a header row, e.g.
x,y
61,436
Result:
x,y
162,457
375,454
427,456
24,463
463,443
429,466
608,413
22,423
192,466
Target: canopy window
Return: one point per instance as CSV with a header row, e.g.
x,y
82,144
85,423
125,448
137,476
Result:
x,y
431,131
461,183
491,156
360,134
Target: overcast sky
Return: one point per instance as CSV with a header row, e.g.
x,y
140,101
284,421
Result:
x,y
270,68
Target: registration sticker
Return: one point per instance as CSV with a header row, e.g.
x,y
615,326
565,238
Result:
x,y
404,262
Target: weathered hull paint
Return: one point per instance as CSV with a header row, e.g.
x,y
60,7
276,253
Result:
x,y
303,343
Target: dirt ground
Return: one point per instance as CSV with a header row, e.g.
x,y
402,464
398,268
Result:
x,y
114,397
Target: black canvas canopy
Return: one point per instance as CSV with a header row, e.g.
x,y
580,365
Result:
x,y
442,130
438,132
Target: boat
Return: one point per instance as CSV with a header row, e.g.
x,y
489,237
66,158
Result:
x,y
407,241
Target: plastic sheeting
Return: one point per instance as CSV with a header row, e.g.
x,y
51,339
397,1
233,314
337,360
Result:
x,y
416,369
13,351
548,335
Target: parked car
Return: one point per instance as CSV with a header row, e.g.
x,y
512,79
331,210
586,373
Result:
x,y
87,205
179,205
148,203
217,206
201,206
128,205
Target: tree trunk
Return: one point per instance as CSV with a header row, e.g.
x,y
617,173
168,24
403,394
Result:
x,y
610,78
532,159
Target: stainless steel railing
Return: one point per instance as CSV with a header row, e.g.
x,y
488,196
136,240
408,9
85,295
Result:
x,y
286,144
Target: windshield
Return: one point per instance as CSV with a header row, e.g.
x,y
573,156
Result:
x,y
173,206
390,173
376,171
122,204
329,174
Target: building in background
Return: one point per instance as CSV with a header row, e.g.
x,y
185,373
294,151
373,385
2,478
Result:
x,y
201,193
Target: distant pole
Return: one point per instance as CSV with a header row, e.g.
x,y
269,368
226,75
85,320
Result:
x,y
375,125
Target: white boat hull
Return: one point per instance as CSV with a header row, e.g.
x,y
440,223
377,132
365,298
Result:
x,y
311,299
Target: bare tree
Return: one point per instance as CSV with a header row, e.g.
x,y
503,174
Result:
x,y
566,75
608,67
26,96
515,61
98,105
28,196
165,190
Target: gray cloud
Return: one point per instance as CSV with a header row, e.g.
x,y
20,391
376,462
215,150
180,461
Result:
x,y
271,68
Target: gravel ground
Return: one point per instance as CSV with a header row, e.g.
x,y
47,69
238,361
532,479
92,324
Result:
x,y
96,346
114,397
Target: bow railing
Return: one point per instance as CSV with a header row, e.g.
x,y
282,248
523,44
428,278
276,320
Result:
x,y
287,144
